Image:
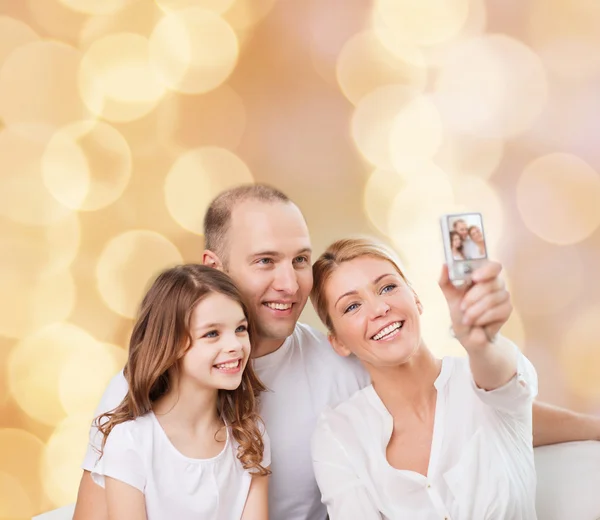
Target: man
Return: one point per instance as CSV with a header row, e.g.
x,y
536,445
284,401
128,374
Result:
x,y
260,238
469,248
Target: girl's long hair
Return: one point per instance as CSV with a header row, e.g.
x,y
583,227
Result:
x,y
159,340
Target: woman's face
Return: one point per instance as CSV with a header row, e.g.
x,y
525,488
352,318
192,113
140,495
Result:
x,y
456,241
375,314
220,345
475,234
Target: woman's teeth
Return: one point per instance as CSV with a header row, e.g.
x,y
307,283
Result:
x,y
388,330
279,306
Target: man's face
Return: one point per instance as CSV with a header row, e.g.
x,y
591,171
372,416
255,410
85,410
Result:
x,y
269,258
461,227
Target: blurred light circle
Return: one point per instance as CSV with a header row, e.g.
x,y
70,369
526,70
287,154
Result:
x,y
416,132
86,374
87,165
23,196
545,279
426,22
20,459
35,366
34,300
37,85
558,196
193,50
127,266
103,7
473,194
244,14
217,118
116,79
14,34
373,120
380,191
61,463
196,178
565,35
39,250
218,6
579,354
56,19
14,501
493,86
414,216
138,16
463,154
364,64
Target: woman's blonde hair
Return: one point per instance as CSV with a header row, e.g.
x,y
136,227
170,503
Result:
x,y
160,338
337,253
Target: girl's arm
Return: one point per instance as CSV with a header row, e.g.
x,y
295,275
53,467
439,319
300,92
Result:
x,y
257,507
124,502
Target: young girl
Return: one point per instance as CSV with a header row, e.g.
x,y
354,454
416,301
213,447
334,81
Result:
x,y
185,443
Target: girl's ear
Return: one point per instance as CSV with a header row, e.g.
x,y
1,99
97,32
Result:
x,y
338,346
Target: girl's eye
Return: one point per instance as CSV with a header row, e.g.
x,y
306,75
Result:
x,y
389,288
241,328
351,307
211,334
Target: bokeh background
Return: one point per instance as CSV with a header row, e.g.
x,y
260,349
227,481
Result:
x,y
121,119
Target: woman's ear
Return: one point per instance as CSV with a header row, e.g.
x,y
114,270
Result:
x,y
211,259
338,346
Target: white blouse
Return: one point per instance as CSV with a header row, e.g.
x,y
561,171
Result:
x,y
140,454
481,465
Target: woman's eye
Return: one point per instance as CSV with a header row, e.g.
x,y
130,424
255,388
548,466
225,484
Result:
x,y
241,328
211,334
351,307
389,288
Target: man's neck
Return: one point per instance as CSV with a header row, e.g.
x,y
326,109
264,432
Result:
x,y
265,346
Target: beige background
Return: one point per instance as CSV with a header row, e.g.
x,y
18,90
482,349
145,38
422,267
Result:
x,y
121,119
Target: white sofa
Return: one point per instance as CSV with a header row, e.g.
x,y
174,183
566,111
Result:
x,y
568,483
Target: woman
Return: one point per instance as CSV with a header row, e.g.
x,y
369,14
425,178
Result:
x,y
477,238
456,245
430,438
185,442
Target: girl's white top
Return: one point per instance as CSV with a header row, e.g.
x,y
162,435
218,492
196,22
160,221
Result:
x,y
140,454
481,465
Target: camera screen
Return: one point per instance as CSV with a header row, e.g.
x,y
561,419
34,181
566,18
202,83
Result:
x,y
467,239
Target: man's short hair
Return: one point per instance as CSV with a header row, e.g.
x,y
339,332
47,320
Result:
x,y
457,221
218,215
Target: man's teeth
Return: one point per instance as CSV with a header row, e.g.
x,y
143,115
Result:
x,y
232,364
279,306
388,330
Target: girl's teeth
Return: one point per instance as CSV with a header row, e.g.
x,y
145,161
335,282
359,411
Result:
x,y
229,365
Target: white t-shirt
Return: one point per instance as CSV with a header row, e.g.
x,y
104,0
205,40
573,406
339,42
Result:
x,y
304,377
481,465
140,454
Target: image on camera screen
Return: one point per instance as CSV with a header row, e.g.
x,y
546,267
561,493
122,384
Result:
x,y
467,240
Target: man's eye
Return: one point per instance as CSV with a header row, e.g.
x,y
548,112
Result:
x,y
241,328
211,334
351,307
301,260
265,261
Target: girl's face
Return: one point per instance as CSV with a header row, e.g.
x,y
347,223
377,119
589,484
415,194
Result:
x,y
456,241
220,345
375,314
